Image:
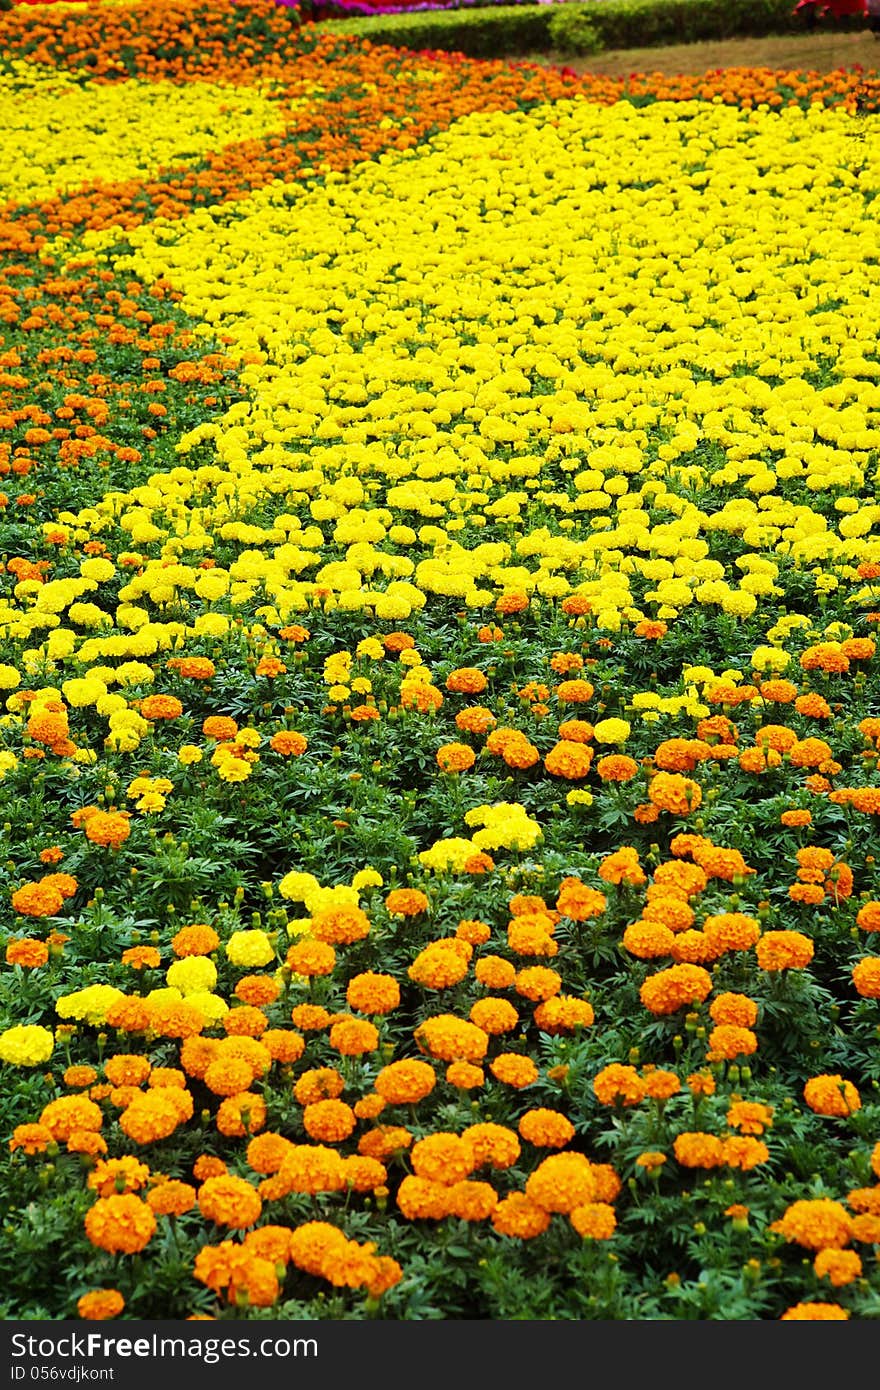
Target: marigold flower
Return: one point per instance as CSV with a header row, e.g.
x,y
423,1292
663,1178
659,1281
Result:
x,y
569,760
519,1217
816,1223
749,1117
784,950
311,958
372,993
866,977
594,1220
329,1121
494,1016
514,1070
670,791
340,926
441,964
574,692
69,1113
562,1182
100,1305
121,1224
546,1129
353,1037
37,900
618,1083
831,1095
450,1039
27,952
617,767
32,1138
815,1312
698,1150
420,1199
443,1158
288,743
407,1082
171,1198
669,990
108,828
455,757
728,1041
735,1009
464,1076
229,1201
125,1174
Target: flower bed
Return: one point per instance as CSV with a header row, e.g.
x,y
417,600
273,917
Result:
x,y
441,713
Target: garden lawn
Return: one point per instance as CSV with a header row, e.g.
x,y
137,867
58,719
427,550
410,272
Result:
x,y
441,705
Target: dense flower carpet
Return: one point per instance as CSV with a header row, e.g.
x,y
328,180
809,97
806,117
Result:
x,y
441,706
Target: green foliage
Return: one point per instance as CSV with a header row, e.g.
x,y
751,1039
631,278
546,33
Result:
x,y
494,31
572,30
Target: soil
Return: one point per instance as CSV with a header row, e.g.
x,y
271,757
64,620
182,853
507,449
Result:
x,y
823,50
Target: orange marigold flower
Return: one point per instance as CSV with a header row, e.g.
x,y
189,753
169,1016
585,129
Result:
x,y
372,993
171,1198
594,1220
670,989
420,1199
61,1117
354,1037
749,1117
538,983
310,1017
161,707
229,1201
569,760
727,1041
384,1142
546,1129
100,1305
698,1150
660,1085
736,1009
670,791
475,719
257,990
441,964
406,902
520,1217
455,757
340,926
121,1224
27,952
196,940
514,1070
37,900
266,1152
407,1082
579,902
574,692
220,728
617,767
288,743
866,977
815,1312
450,1039
311,958
108,828
443,1158
466,680
816,1223
494,1016
329,1121
617,1083
784,950
562,1182
464,1076
830,1094
32,1138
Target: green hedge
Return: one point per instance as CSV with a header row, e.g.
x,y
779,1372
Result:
x,y
496,31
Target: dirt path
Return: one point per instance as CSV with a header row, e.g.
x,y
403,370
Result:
x,y
820,51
